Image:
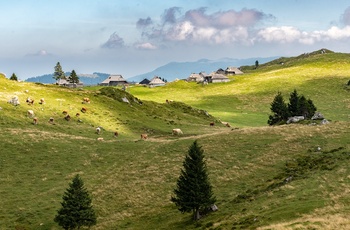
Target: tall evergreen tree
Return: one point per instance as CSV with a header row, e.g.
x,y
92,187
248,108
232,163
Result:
x,y
193,191
58,74
279,109
13,77
76,210
73,77
293,104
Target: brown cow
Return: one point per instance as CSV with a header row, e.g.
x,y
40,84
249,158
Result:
x,y
35,121
64,112
83,110
116,134
86,100
42,101
67,117
77,114
51,120
30,101
144,136
212,124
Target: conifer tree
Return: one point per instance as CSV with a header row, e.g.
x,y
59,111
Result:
x,y
279,109
76,210
293,104
193,191
13,77
73,77
58,74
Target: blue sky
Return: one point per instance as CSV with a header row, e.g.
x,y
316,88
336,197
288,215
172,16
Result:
x,y
133,37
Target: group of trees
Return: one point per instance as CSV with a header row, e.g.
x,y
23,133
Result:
x,y
193,193
59,74
298,105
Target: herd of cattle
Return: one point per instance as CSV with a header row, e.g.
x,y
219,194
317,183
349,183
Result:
x,y
30,113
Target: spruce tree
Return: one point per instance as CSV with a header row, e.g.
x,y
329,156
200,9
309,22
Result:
x,y
279,109
76,210
293,104
193,191
13,77
73,77
58,74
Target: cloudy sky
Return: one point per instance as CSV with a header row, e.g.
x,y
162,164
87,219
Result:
x,y
133,37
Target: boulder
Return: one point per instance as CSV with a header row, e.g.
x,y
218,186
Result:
x,y
295,119
324,122
317,116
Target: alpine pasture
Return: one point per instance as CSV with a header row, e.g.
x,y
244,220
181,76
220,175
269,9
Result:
x,y
282,177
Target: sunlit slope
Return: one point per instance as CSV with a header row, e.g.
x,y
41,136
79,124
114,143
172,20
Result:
x,y
110,108
245,100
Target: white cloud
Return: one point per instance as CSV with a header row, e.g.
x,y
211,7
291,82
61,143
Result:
x,y
145,46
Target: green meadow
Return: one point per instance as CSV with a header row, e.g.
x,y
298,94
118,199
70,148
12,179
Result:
x,y
282,177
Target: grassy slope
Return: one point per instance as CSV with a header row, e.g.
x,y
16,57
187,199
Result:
x,y
131,181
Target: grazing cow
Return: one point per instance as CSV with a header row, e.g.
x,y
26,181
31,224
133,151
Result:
x,y
144,136
86,100
42,101
83,110
51,120
67,117
98,130
228,125
14,100
177,132
116,134
35,121
64,112
30,101
212,124
30,113
77,114
100,138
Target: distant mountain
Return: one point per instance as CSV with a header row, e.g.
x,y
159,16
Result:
x,y
182,70
87,79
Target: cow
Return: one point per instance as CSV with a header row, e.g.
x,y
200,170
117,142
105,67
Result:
x,y
77,114
14,101
228,125
83,110
67,117
98,130
86,100
144,136
177,132
51,120
116,134
42,101
30,101
100,138
64,112
212,124
30,113
35,121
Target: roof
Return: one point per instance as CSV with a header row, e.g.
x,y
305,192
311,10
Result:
x,y
156,81
234,70
195,77
218,76
114,78
144,82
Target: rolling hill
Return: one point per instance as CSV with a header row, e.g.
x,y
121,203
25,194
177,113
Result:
x,y
283,177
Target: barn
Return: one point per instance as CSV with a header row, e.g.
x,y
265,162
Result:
x,y
114,80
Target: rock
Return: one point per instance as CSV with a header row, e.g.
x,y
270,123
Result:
x,y
317,116
324,122
295,119
124,99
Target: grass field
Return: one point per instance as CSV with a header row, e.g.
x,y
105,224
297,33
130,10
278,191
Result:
x,y
131,180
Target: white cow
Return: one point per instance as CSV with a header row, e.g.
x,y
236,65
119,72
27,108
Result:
x,y
177,132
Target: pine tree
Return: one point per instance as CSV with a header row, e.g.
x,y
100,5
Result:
x,y
58,74
193,191
73,77
13,77
76,210
293,104
279,109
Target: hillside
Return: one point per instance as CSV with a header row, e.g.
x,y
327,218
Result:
x,y
284,177
87,79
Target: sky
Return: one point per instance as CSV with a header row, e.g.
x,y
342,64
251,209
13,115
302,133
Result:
x,y
134,37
